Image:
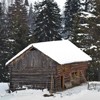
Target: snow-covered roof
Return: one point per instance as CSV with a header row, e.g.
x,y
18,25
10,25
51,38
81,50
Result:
x,y
62,51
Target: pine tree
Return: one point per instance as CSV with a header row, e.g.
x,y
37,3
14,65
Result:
x,y
96,36
81,36
31,18
1,41
26,3
48,21
92,41
71,9
87,5
86,36
3,44
31,23
18,26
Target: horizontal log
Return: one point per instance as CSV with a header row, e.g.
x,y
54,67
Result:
x,y
29,82
36,73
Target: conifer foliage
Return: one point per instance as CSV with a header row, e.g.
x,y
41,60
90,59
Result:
x,y
19,30
21,25
26,3
3,44
86,35
47,21
31,22
71,9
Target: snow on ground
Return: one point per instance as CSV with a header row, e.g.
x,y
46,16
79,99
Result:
x,y
3,89
76,93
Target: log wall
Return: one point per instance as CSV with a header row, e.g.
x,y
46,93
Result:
x,y
35,69
32,68
65,78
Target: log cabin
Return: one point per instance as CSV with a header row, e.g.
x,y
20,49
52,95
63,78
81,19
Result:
x,y
55,65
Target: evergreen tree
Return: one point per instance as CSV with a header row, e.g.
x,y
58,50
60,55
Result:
x,y
1,41
86,36
87,5
71,9
26,3
3,44
81,37
81,33
18,26
96,42
48,21
31,23
92,41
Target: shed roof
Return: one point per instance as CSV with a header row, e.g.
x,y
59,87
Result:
x,y
62,51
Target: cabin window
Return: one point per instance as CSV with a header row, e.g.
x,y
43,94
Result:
x,y
62,82
75,74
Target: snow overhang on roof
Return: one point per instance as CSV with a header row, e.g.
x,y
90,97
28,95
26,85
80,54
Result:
x,y
62,51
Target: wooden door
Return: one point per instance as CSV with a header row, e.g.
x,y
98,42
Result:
x,y
62,82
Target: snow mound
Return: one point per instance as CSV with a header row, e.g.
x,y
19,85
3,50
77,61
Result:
x,y
3,88
77,93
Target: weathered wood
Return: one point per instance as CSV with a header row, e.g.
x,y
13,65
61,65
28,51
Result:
x,y
35,69
67,70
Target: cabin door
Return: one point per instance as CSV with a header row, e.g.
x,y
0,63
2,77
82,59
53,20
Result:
x,y
62,82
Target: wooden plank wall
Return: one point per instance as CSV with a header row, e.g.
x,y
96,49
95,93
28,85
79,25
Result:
x,y
34,68
67,70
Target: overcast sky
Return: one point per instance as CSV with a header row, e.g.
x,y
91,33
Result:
x,y
59,2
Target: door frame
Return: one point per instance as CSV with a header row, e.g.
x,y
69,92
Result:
x,y
62,82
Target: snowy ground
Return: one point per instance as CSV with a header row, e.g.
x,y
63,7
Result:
x,y
77,93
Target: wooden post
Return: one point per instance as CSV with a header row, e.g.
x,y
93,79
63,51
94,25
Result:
x,y
88,86
10,86
62,82
83,76
71,78
51,85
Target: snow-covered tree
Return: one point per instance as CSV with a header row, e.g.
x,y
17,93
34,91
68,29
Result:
x,y
48,21
31,22
86,36
18,26
3,44
26,3
1,41
87,5
30,17
96,43
71,9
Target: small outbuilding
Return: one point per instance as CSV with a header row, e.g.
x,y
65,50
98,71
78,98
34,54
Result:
x,y
55,65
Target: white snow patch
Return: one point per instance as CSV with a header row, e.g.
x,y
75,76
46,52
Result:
x,y
3,88
93,47
76,93
94,82
98,24
87,14
84,24
11,40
